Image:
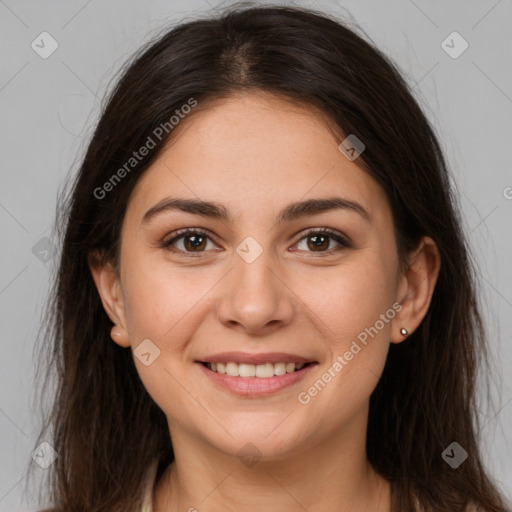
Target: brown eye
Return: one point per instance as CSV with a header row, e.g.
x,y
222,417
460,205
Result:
x,y
319,240
194,241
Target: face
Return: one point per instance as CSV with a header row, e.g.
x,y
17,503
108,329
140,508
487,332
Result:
x,y
259,282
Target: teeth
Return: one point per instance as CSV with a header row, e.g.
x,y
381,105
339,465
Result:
x,y
265,370
261,371
280,368
232,369
245,370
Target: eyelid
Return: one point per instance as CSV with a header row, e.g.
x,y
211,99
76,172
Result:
x,y
168,240
340,238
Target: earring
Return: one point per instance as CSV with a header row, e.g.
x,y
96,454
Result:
x,y
404,332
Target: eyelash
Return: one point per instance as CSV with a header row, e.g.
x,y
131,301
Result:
x,y
183,233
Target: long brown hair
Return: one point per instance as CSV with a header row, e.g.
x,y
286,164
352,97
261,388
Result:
x,y
103,424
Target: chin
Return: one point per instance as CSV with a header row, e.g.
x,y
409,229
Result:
x,y
267,439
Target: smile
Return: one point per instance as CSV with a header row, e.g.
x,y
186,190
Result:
x,y
253,380
260,371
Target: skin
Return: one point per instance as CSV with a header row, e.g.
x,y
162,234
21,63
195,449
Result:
x,y
255,153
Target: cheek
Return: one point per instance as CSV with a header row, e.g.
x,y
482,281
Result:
x,y
349,302
163,306
159,300
350,298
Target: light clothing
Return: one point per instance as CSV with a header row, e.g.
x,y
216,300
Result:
x,y
147,504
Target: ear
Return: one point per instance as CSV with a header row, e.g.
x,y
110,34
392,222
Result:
x,y
416,287
108,285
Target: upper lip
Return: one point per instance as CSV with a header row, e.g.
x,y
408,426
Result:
x,y
244,357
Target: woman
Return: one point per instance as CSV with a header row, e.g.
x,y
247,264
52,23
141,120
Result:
x,y
265,299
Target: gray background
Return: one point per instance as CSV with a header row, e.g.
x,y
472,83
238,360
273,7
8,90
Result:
x,y
49,108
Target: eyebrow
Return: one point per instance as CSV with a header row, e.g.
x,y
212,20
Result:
x,y
218,211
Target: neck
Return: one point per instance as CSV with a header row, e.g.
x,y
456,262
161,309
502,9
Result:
x,y
329,476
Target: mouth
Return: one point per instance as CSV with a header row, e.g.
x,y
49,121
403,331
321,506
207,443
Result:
x,y
259,371
255,379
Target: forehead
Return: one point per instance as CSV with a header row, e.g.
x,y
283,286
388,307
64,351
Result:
x,y
252,152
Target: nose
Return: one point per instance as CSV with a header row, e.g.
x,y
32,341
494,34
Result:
x,y
255,297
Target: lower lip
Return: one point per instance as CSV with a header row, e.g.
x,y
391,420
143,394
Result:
x,y
251,386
